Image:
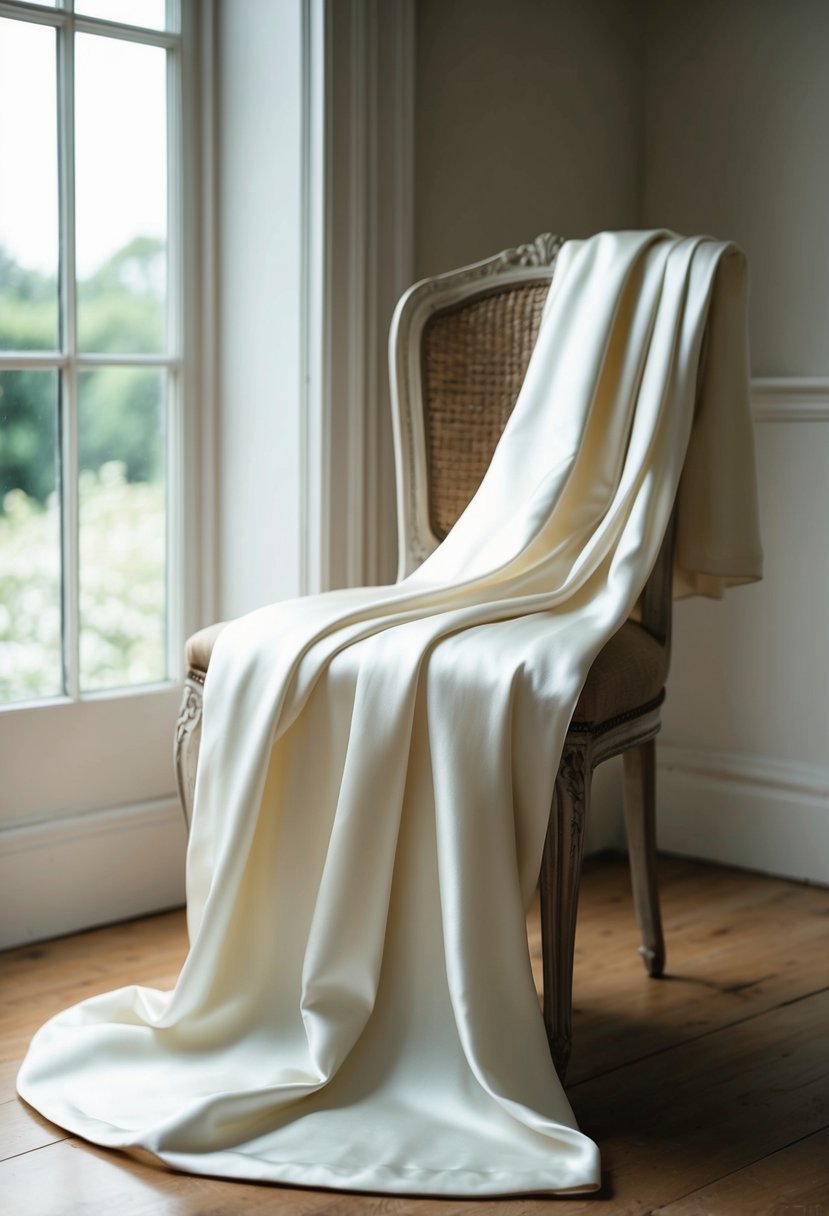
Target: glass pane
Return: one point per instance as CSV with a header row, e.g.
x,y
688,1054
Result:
x,y
150,13
28,188
123,544
120,195
30,588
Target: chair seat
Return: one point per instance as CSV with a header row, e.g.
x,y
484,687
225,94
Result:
x,y
199,647
629,672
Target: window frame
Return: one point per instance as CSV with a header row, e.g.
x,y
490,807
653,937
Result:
x,y
82,771
68,362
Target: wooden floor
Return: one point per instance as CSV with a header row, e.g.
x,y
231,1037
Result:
x,y
707,1091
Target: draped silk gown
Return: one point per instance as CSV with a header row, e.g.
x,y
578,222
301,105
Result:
x,y
357,1008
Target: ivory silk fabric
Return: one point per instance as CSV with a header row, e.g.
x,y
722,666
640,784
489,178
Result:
x,y
357,1008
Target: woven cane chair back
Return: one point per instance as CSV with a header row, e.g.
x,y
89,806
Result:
x,y
459,348
473,361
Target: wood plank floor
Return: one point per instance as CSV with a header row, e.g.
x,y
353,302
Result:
x,y
707,1091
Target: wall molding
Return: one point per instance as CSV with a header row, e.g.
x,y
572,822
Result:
x,y
743,809
790,399
61,875
358,259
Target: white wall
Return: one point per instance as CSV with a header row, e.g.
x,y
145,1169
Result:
x,y
259,175
737,143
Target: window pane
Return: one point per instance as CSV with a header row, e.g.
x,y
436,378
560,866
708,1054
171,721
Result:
x,y
122,527
121,195
30,588
149,13
28,188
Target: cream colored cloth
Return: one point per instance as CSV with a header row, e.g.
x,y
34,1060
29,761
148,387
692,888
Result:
x,y
357,1008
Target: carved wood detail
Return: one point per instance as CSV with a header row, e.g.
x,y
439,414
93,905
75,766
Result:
x,y
187,739
542,251
574,776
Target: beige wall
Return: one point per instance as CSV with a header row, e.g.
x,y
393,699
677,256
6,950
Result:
x,y
527,120
737,143
702,116
576,115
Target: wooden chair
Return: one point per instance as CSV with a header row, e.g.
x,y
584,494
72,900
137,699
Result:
x,y
459,348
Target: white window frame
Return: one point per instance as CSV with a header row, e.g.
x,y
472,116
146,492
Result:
x,y
87,789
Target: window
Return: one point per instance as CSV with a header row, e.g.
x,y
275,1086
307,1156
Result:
x,y
103,433
90,349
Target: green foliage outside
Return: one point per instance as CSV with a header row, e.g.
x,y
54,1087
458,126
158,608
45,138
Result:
x,y
118,313
122,589
121,454
30,654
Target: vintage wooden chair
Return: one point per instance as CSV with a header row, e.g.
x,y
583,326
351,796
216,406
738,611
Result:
x,y
459,348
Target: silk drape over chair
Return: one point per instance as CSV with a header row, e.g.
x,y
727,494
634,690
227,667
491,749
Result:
x,y
376,773
459,349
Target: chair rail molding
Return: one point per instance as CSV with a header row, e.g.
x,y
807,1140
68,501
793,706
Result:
x,y
790,399
358,258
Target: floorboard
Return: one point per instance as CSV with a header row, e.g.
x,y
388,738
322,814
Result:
x,y
708,1090
791,1182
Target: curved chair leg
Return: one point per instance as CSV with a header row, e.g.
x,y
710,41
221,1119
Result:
x,y
640,806
560,875
186,748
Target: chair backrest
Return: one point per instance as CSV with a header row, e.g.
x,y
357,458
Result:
x,y
459,348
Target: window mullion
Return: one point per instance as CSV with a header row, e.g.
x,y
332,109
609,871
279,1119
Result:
x,y
36,14
32,13
69,382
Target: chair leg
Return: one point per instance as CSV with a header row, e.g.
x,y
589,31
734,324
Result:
x,y
559,889
186,745
640,807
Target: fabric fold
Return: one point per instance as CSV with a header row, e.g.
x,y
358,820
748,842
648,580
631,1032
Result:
x,y
357,1008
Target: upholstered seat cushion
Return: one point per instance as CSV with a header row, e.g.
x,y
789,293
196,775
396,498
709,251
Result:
x,y
199,647
630,671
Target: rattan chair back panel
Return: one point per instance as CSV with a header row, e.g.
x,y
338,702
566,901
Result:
x,y
474,358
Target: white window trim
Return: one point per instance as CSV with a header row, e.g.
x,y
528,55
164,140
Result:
x,y
358,254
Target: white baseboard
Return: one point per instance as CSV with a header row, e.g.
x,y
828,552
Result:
x,y
63,875
744,810
731,807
